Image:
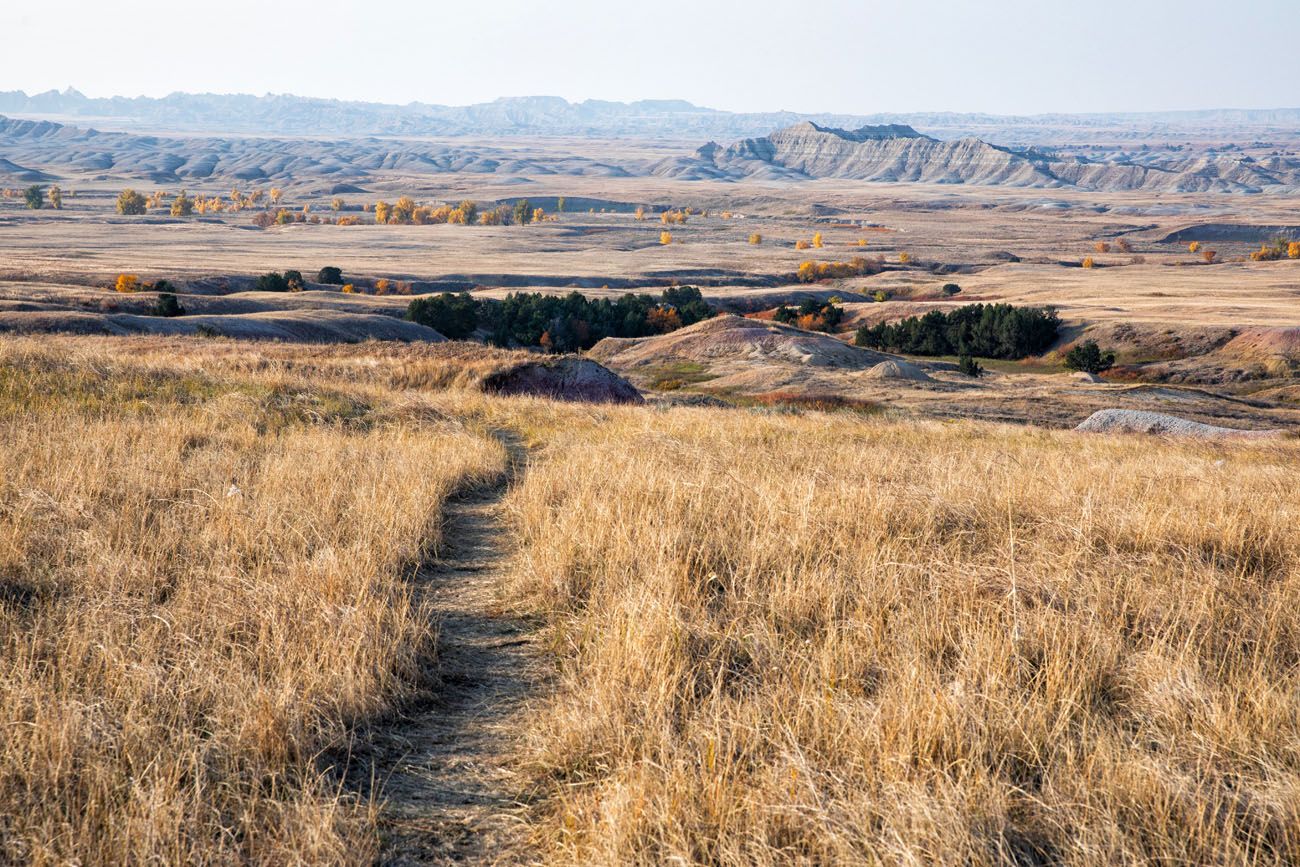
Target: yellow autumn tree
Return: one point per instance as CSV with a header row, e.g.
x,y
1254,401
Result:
x,y
1292,249
665,237
904,258
1088,263
56,198
276,194
182,205
639,213
801,244
381,211
1194,246
403,211
131,203
756,238
127,283
817,240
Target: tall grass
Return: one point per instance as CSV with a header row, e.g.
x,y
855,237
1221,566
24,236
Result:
x,y
203,585
780,638
826,640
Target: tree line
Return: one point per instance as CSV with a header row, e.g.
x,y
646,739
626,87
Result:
x,y
985,330
555,323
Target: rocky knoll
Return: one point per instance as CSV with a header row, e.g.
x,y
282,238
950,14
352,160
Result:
x,y
564,378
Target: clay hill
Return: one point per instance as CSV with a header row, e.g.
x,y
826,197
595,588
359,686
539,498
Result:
x,y
734,354
898,152
29,146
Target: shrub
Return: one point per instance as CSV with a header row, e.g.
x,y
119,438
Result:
x,y
904,258
264,219
349,289
453,316
951,289
35,197
880,296
801,244
330,276
166,305
272,281
1209,256
1087,262
1278,249
294,280
1194,246
1089,358
182,205
969,366
130,203
662,320
1123,246
1101,247
986,330
810,272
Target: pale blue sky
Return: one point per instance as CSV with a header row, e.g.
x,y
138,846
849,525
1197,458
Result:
x,y
1004,56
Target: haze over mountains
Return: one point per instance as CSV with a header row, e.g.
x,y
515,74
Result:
x,y
275,114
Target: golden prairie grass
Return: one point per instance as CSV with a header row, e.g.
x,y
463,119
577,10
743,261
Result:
x,y
822,640
780,637
203,586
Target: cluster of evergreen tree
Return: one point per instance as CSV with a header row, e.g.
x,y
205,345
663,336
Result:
x,y
560,323
812,314
984,330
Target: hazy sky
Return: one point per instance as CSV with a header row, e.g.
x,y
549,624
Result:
x,y
1005,56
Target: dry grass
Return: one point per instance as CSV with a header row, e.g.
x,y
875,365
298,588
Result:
x,y
177,658
817,639
780,636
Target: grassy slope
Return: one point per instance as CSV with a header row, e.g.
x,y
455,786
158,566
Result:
x,y
821,638
177,657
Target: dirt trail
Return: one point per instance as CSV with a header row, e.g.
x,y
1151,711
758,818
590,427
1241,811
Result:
x,y
445,770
